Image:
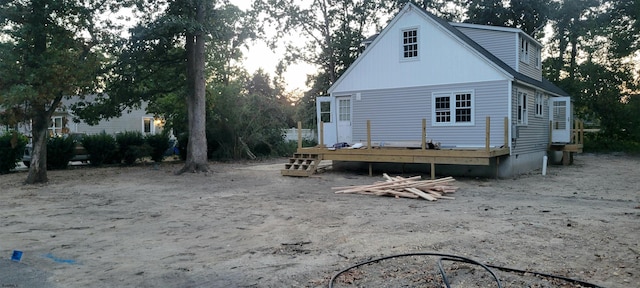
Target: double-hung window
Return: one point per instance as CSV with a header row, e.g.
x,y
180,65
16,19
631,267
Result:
x,y
147,125
410,44
452,108
522,118
538,58
325,112
56,126
524,50
539,105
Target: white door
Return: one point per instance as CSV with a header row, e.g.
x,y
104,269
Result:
x,y
325,115
560,108
344,119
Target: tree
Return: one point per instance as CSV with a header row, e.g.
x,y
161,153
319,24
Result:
x,y
164,63
528,15
334,29
50,50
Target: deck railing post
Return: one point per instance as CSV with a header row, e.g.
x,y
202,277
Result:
x,y
299,135
424,133
321,134
506,132
581,132
368,134
487,141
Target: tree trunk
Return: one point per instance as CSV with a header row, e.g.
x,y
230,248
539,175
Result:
x,y
38,167
196,105
40,120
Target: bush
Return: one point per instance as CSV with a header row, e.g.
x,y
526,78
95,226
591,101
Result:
x,y
262,149
101,148
60,150
12,146
159,144
131,146
600,142
288,148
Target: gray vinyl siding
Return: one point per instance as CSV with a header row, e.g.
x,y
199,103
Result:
x,y
533,137
396,114
502,44
127,122
530,69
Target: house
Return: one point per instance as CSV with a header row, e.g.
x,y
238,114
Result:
x,y
456,77
136,119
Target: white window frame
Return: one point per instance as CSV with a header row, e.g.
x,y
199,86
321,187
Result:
x,y
452,111
538,55
152,126
539,105
522,117
326,112
55,130
416,45
524,50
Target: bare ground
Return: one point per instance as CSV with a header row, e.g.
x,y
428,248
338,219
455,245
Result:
x,y
244,225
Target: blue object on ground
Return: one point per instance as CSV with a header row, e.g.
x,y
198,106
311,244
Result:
x,y
16,256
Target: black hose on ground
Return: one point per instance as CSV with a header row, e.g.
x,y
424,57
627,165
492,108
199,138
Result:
x,y
455,258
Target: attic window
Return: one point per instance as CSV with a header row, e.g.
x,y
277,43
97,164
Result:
x,y
410,43
524,50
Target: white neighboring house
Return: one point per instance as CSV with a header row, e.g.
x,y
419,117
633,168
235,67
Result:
x,y
453,75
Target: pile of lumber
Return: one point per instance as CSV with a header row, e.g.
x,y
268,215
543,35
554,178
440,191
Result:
x,y
411,187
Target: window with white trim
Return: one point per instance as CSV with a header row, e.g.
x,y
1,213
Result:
x,y
538,57
452,108
524,50
325,112
410,44
147,125
522,118
539,103
55,129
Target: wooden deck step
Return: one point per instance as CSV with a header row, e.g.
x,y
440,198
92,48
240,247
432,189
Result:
x,y
301,165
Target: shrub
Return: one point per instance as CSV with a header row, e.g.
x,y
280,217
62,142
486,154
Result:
x,y
131,146
159,144
600,142
262,149
101,148
60,150
12,146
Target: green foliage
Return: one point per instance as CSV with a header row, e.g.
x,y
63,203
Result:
x,y
101,147
131,146
60,150
602,143
159,144
12,145
288,148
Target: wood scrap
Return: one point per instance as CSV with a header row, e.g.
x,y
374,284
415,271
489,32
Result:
x,y
412,187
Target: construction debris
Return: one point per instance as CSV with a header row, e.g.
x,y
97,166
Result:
x,y
411,187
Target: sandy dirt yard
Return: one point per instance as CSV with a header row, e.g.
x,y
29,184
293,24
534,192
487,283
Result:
x,y
245,225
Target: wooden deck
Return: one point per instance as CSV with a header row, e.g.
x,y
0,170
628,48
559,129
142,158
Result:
x,y
306,159
479,156
373,153
569,149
